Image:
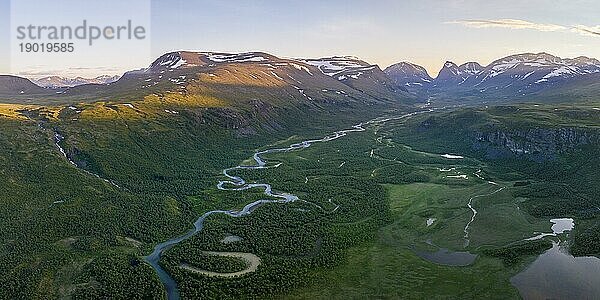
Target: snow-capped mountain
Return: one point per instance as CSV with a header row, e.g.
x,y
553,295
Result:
x,y
187,59
333,79
360,75
513,76
416,78
357,75
58,82
530,72
409,75
451,74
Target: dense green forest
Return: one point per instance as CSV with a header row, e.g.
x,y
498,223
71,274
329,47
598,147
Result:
x,y
137,182
81,230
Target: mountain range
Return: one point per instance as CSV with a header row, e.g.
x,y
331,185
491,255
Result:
x,y
258,75
239,78
516,76
59,82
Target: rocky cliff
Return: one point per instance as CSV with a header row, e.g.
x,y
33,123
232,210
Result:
x,y
535,143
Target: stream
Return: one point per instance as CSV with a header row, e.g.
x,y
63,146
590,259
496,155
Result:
x,y
474,211
236,183
59,138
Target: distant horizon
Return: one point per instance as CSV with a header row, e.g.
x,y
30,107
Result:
x,y
434,74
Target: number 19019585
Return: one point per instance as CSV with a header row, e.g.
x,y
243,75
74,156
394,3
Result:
x,y
47,47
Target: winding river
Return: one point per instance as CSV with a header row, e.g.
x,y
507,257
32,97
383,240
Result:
x,y
236,183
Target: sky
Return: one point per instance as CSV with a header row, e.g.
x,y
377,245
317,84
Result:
x,y
425,32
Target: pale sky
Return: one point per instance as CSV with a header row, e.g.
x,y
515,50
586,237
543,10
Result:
x,y
425,32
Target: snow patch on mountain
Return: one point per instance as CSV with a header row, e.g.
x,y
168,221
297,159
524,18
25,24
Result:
x,y
334,65
301,68
236,57
178,64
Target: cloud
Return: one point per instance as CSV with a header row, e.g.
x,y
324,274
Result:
x,y
586,30
522,24
509,23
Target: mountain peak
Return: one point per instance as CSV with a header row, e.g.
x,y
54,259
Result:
x,y
407,66
17,85
408,74
450,65
471,67
448,72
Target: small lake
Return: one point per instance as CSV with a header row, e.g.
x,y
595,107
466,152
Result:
x,y
559,226
556,274
430,221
